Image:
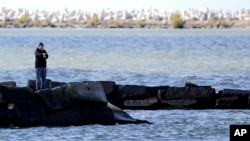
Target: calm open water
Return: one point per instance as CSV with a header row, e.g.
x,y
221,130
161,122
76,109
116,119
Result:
x,y
219,58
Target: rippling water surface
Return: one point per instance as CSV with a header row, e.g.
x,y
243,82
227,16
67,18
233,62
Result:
x,y
170,125
219,58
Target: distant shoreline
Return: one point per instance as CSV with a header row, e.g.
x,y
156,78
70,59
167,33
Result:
x,y
152,18
133,24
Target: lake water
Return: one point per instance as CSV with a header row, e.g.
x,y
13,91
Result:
x,y
219,58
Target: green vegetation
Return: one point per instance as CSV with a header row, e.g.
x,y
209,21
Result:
x,y
2,24
224,23
48,22
211,21
22,20
36,23
140,24
127,24
116,23
94,19
176,20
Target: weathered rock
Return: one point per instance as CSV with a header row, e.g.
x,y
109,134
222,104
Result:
x,y
29,114
180,102
100,102
228,102
140,103
48,84
137,97
81,114
191,96
132,91
16,94
76,103
56,98
232,92
109,88
90,91
32,84
233,99
188,92
8,83
248,102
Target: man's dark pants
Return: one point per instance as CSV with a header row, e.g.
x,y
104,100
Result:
x,y
40,78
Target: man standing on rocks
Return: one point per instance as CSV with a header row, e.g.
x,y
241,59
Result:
x,y
40,65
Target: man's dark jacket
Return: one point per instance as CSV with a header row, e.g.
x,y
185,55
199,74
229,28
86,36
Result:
x,y
40,61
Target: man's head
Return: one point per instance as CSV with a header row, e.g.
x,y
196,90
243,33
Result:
x,y
40,45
